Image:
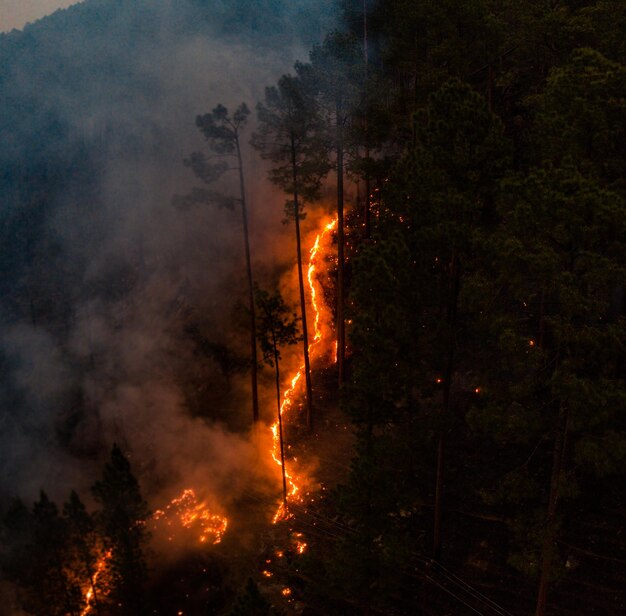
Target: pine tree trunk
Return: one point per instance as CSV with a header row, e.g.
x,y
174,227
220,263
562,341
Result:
x,y
341,332
280,423
541,317
455,283
367,221
305,335
550,537
246,237
92,579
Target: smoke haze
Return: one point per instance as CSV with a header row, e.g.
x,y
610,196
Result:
x,y
113,299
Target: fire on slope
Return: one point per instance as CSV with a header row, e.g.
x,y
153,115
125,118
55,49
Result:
x,y
317,349
183,513
187,512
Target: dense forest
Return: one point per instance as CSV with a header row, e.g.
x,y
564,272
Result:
x,y
450,440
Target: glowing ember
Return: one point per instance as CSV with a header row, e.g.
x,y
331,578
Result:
x,y
192,514
298,543
88,590
294,482
286,592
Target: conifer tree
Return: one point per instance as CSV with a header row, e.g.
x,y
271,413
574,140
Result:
x,y
122,522
334,68
290,136
38,560
277,328
84,548
459,155
553,400
223,134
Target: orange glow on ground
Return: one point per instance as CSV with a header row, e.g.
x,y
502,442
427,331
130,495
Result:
x,y
188,512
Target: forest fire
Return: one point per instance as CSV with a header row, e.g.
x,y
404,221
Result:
x,y
88,591
188,512
185,511
295,482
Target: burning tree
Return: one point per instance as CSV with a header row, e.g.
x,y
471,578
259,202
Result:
x,y
122,521
86,552
277,328
290,136
223,134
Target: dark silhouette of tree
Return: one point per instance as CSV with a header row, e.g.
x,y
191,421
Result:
x,y
84,546
278,327
122,522
334,68
38,560
290,136
250,602
223,134
442,198
564,252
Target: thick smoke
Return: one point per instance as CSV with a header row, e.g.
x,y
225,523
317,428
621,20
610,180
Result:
x,y
138,286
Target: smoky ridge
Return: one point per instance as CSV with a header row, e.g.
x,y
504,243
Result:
x,y
114,323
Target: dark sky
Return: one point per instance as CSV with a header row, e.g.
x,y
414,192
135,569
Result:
x,y
17,13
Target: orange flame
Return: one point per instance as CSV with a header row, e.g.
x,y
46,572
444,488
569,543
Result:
x,y
193,514
88,590
293,482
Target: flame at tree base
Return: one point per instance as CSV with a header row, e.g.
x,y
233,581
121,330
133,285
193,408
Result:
x,y
94,583
187,512
316,350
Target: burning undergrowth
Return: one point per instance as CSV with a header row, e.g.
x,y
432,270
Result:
x,y
205,482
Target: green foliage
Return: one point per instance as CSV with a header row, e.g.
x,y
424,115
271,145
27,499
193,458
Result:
x,y
336,70
558,257
290,135
580,119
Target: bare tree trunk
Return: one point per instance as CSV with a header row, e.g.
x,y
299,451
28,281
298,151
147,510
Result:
x,y
447,387
550,537
96,603
367,144
341,331
280,422
542,317
305,335
246,237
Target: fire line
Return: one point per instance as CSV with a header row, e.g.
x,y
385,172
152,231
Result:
x,y
294,481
